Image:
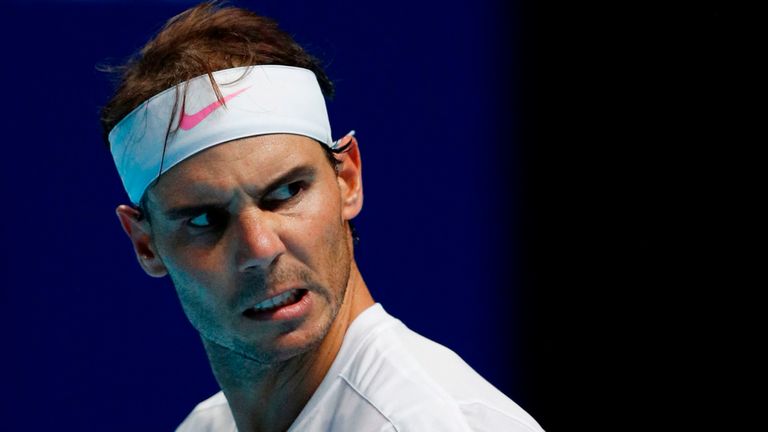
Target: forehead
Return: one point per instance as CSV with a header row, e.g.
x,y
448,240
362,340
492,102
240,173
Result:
x,y
247,164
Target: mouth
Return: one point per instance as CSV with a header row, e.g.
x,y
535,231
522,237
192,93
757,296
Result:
x,y
287,305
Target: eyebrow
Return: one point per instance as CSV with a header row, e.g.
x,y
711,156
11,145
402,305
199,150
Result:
x,y
196,209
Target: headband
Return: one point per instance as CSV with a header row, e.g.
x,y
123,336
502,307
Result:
x,y
257,100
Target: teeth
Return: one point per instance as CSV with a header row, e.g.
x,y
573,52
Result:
x,y
281,300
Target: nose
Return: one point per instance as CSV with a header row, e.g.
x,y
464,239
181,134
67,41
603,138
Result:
x,y
258,241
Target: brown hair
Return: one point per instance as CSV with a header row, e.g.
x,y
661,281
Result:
x,y
199,41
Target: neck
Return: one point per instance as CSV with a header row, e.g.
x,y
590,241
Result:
x,y
269,397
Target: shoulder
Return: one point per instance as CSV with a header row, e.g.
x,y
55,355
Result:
x,y
479,401
420,385
212,414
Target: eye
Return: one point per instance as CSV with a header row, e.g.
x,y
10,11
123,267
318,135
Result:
x,y
206,219
284,193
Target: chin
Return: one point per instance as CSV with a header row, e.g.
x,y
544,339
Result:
x,y
297,343
291,343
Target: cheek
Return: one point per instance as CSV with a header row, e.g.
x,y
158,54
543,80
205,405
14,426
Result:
x,y
195,282
197,274
207,300
196,266
321,230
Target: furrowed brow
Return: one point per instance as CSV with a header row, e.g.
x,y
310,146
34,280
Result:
x,y
292,174
196,209
189,211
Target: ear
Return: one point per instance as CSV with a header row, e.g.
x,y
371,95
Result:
x,y
137,229
350,178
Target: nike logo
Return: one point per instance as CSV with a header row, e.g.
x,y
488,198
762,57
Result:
x,y
189,121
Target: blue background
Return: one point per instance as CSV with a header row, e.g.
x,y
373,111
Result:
x,y
433,91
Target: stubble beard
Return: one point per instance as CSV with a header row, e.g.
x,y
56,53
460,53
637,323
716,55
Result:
x,y
214,333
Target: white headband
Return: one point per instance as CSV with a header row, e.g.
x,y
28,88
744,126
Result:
x,y
259,100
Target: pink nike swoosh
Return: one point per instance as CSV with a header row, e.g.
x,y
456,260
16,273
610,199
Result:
x,y
189,121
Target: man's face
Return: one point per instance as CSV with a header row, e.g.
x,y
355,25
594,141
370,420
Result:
x,y
248,223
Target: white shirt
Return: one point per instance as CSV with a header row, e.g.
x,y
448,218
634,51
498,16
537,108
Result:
x,y
388,378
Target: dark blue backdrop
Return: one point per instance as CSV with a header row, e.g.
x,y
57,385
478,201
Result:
x,y
94,344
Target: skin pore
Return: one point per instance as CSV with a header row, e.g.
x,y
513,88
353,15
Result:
x,y
243,222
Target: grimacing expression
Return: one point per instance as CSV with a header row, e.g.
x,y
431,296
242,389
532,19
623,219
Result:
x,y
245,220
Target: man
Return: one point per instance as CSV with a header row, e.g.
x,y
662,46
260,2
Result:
x,y
221,137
